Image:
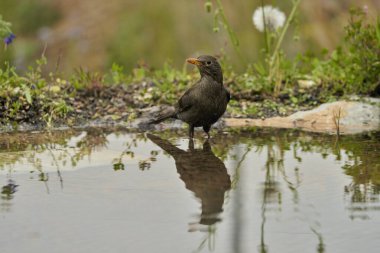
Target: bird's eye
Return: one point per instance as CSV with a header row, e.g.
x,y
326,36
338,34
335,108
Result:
x,y
208,63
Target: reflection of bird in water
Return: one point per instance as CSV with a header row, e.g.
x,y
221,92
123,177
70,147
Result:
x,y
203,173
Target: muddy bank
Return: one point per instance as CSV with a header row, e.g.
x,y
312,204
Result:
x,y
349,117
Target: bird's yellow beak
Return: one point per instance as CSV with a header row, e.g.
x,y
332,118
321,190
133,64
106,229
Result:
x,y
194,61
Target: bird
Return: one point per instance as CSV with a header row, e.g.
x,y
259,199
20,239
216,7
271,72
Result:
x,y
203,173
205,102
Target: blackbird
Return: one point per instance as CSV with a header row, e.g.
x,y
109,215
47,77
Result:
x,y
203,173
206,101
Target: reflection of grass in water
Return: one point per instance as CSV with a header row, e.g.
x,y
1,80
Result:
x,y
8,190
277,142
321,246
274,167
25,148
362,165
144,164
7,194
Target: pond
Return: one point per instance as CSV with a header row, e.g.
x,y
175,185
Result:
x,y
251,190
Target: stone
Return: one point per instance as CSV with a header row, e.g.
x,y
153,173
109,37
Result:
x,y
306,84
55,89
351,116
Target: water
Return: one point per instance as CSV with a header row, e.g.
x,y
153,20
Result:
x,y
251,191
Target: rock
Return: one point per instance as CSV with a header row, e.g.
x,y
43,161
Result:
x,y
16,91
111,110
353,117
55,89
113,117
306,84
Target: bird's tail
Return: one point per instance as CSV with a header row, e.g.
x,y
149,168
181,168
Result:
x,y
165,145
166,114
161,118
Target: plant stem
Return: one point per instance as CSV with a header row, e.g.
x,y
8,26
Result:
x,y
265,29
291,15
282,35
231,33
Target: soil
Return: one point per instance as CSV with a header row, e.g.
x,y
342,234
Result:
x,y
120,104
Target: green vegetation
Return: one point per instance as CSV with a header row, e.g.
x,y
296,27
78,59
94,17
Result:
x,y
353,67
5,28
28,16
281,87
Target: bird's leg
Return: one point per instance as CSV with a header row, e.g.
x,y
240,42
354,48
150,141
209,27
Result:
x,y
191,131
207,130
191,145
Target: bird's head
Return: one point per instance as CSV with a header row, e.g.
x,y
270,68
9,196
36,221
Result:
x,y
208,66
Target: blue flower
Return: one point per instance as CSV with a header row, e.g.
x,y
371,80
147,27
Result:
x,y
8,40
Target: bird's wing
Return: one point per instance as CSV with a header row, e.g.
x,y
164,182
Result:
x,y
187,100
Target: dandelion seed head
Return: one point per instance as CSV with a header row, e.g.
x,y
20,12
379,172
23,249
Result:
x,y
365,9
269,17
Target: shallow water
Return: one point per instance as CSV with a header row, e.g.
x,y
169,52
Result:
x,y
250,191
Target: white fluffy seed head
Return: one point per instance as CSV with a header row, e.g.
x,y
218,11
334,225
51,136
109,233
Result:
x,y
269,17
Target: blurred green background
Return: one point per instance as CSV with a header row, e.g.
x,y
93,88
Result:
x,y
93,34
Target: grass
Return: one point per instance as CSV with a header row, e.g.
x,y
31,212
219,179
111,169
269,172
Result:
x,y
50,99
337,114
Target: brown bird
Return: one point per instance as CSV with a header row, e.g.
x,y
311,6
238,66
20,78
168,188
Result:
x,y
206,101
